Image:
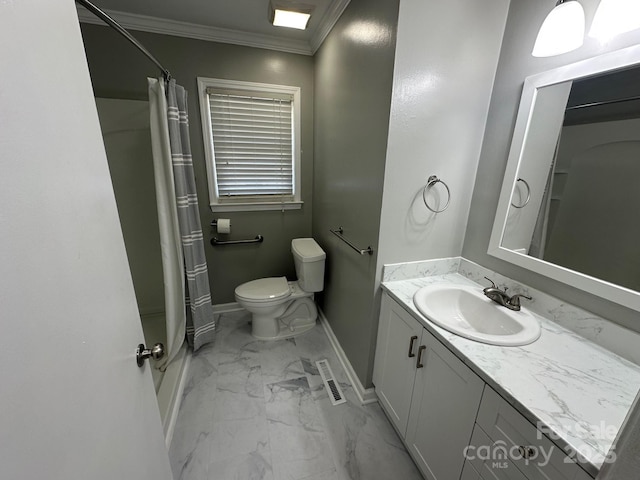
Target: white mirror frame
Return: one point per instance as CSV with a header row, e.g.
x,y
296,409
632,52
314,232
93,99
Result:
x,y
592,66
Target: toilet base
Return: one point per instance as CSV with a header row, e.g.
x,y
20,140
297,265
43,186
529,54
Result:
x,y
299,317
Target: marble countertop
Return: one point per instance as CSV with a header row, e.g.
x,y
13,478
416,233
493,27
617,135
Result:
x,y
578,390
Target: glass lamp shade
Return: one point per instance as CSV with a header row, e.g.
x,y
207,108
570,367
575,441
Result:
x,y
614,17
562,30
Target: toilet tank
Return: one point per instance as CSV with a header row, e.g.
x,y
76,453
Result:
x,y
309,260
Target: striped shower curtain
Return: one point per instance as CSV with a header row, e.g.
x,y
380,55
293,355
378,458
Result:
x,y
175,153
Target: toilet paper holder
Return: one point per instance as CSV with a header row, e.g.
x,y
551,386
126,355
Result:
x,y
225,221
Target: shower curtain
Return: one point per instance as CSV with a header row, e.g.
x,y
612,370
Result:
x,y
187,303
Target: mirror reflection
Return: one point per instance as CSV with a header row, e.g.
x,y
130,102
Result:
x,y
576,199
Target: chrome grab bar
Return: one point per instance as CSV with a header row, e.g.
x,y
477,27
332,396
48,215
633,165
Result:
x,y
339,233
215,241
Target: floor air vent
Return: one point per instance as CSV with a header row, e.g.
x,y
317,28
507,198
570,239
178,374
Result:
x,y
333,389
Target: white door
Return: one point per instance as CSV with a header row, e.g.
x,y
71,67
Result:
x,y
73,403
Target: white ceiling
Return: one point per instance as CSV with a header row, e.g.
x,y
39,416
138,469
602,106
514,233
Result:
x,y
243,22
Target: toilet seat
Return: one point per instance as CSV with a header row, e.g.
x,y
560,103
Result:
x,y
272,289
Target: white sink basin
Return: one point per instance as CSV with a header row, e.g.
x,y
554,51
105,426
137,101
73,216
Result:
x,y
465,311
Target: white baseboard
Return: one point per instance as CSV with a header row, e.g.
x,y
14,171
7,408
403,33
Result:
x,y
176,400
365,395
227,307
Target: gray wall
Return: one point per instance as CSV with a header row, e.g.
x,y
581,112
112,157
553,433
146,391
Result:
x,y
516,63
118,70
353,79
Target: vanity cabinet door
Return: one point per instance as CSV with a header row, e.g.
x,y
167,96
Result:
x,y
446,398
395,362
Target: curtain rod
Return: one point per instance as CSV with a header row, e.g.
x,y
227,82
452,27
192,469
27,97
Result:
x,y
604,102
120,29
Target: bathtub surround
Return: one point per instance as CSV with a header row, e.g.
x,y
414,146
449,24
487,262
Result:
x,y
273,417
127,141
126,133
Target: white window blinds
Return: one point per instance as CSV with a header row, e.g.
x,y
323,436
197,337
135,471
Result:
x,y
252,143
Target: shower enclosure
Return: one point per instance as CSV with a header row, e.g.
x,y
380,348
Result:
x,y
126,132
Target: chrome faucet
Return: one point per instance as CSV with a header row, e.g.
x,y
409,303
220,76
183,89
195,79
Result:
x,y
502,298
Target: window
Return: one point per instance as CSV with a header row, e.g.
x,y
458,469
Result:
x,y
251,136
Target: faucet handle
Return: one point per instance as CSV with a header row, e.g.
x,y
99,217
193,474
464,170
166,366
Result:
x,y
493,285
514,301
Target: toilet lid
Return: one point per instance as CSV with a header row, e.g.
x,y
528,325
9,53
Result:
x,y
272,288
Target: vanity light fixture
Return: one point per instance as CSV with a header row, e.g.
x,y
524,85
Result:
x,y
614,17
562,30
290,15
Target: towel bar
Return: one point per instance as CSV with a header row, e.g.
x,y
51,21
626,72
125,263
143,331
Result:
x,y
338,233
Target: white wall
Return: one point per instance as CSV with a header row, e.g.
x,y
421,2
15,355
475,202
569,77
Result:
x,y
446,59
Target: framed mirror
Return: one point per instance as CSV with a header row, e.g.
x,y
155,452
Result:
x,y
569,207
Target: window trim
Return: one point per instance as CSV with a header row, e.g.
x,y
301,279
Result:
x,y
249,204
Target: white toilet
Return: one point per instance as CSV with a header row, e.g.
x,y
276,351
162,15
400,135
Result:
x,y
282,309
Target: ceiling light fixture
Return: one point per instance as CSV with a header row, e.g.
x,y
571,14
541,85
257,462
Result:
x,y
290,14
614,17
562,30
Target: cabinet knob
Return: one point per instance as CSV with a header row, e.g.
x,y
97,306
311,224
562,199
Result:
x,y
421,349
413,339
527,452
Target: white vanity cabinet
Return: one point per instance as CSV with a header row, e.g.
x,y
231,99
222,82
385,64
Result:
x,y
430,395
453,424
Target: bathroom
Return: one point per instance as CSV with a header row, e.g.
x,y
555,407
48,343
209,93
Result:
x,y
438,88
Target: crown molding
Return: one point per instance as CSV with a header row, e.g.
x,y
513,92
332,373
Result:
x,y
163,26
330,18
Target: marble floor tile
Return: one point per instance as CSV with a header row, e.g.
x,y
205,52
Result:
x,y
251,466
259,410
190,448
232,438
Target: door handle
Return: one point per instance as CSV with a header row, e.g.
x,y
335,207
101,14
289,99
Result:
x,y
142,353
419,362
413,339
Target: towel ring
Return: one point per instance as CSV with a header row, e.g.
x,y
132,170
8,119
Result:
x,y
528,194
431,181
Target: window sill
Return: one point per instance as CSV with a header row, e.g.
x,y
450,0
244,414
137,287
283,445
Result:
x,y
248,207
